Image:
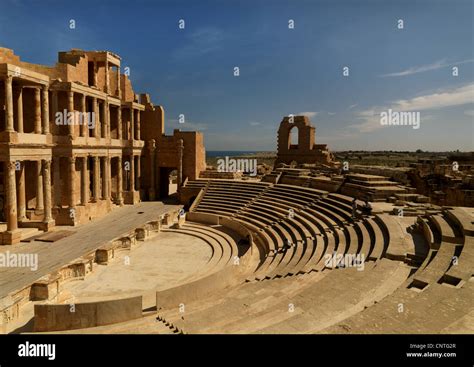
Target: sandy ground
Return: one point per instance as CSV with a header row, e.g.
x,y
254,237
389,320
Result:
x,y
156,264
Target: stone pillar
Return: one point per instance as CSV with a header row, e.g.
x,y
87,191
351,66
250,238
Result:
x,y
180,164
9,105
107,84
84,182
138,135
119,92
45,109
72,181
70,108
54,106
151,190
11,204
57,181
95,110
84,126
132,173
119,182
37,111
138,173
119,123
104,123
105,178
48,216
21,193
107,126
95,73
39,187
19,108
132,124
96,182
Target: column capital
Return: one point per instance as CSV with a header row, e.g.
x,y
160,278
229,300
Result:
x,y
72,160
11,165
46,163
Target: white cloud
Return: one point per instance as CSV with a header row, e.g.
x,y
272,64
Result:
x,y
421,69
370,118
308,114
331,113
352,106
254,123
469,113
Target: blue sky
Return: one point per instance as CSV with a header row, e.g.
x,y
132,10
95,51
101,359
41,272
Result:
x,y
282,71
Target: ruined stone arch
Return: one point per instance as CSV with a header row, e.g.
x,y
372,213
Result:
x,y
293,137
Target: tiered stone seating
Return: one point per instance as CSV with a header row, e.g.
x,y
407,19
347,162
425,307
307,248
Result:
x,y
226,197
438,297
463,268
295,226
224,246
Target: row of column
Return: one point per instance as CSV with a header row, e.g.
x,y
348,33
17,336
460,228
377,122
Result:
x,y
41,109
102,128
101,171
41,112
13,202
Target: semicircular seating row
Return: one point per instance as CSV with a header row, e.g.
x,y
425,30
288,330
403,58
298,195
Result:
x,y
296,228
349,300
438,297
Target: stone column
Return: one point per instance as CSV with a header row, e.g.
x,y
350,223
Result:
x,y
72,181
151,190
95,73
84,182
107,84
57,181
138,173
48,216
54,106
19,108
132,124
120,182
138,135
105,122
70,108
21,193
37,111
95,182
105,178
132,173
119,123
9,105
107,126
180,163
84,126
39,187
119,92
11,204
95,110
45,109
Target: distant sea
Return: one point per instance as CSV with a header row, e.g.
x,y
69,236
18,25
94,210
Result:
x,y
229,153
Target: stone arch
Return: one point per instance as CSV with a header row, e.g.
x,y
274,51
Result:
x,y
293,137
